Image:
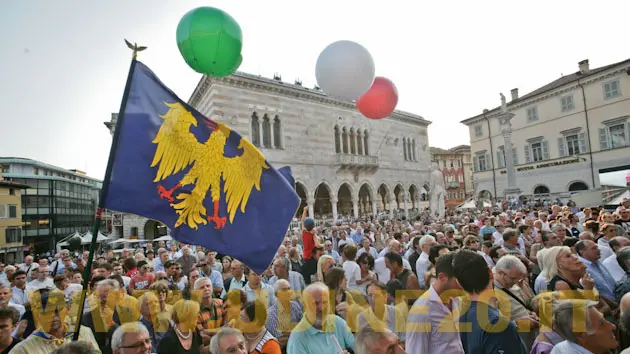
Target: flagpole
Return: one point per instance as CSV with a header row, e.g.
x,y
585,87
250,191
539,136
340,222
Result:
x,y
104,190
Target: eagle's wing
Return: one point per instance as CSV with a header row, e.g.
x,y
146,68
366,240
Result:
x,y
177,147
241,174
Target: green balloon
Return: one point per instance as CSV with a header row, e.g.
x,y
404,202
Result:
x,y
210,41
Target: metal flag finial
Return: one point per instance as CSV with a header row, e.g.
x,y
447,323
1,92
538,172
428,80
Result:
x,y
135,48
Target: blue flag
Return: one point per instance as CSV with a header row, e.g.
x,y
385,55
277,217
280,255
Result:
x,y
208,184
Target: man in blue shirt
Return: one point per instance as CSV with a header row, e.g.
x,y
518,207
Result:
x,y
319,331
483,330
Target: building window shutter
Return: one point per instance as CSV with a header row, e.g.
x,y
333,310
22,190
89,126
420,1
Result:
x,y
488,163
500,158
603,139
528,157
475,164
545,149
561,149
514,156
583,143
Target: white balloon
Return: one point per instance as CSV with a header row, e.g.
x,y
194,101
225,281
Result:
x,y
345,70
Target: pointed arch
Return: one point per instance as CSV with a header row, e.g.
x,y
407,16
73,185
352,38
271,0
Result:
x,y
359,142
366,142
344,140
384,195
277,133
266,130
255,129
323,196
413,195
345,197
302,192
337,140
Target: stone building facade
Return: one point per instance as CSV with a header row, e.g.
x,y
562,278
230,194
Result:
x,y
562,135
344,164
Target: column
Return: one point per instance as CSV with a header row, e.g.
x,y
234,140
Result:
x,y
355,207
405,204
311,207
392,205
374,209
333,202
260,132
506,130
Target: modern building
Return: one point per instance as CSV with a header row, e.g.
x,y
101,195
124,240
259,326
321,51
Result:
x,y
563,134
11,246
344,164
451,164
56,202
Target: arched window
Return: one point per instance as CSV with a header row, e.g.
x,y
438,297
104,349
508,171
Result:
x,y
344,140
277,133
405,148
266,129
409,149
353,142
413,149
359,143
365,142
337,140
255,130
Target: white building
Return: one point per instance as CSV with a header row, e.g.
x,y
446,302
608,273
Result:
x,y
563,134
344,164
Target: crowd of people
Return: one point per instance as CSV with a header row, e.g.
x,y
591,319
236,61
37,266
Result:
x,y
521,279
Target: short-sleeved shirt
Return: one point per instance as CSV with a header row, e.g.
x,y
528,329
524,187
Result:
x,y
308,243
211,317
497,335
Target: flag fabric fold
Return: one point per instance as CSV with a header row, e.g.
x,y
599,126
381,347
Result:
x,y
207,183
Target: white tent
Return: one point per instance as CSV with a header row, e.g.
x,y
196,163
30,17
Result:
x,y
87,238
163,238
468,205
65,242
125,240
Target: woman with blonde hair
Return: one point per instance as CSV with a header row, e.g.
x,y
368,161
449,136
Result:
x,y
324,264
160,289
183,337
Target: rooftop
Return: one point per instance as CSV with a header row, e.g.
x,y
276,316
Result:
x,y
297,87
452,151
27,161
559,82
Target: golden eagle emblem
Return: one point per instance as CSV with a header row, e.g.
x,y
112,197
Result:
x,y
178,148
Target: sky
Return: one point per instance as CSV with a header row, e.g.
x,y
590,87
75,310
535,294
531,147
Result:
x,y
64,62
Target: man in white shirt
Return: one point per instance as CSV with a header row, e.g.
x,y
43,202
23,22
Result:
x,y
432,326
610,263
366,249
423,263
28,266
43,280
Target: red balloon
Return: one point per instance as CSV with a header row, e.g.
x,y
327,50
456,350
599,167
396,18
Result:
x,y
380,100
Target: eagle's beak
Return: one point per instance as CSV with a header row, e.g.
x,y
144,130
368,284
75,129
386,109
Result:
x,y
193,119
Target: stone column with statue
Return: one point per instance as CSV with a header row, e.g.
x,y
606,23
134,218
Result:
x,y
512,191
437,190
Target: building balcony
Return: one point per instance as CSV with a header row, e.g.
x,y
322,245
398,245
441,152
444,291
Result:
x,y
452,185
357,161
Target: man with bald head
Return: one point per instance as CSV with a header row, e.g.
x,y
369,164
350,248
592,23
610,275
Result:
x,y
380,268
320,330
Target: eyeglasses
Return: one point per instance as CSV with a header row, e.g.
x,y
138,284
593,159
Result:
x,y
138,345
